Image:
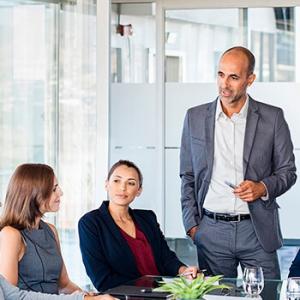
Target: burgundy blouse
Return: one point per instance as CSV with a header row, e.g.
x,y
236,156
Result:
x,y
142,252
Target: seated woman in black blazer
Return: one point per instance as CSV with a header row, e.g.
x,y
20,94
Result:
x,y
118,243
295,267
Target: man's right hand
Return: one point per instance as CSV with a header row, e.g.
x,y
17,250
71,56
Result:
x,y
191,233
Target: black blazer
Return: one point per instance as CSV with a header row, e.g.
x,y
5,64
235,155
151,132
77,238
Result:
x,y
106,255
295,267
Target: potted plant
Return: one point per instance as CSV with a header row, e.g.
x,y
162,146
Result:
x,y
182,288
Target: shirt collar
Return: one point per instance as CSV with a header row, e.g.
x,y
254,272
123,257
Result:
x,y
242,114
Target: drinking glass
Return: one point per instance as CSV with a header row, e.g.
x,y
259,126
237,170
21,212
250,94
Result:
x,y
253,281
293,288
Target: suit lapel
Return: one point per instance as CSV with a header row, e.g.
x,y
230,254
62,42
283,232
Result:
x,y
146,229
129,261
210,134
252,119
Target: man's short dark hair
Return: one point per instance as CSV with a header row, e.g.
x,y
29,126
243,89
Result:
x,y
247,53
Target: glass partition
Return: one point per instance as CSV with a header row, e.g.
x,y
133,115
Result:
x,y
196,38
133,43
77,127
48,105
28,85
134,109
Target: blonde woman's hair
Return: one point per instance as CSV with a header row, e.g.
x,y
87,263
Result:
x,y
30,186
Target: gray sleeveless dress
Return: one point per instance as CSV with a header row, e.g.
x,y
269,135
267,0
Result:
x,y
41,265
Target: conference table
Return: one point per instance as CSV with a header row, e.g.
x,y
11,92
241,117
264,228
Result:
x,y
272,289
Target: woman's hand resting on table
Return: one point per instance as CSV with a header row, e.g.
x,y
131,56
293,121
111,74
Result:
x,y
188,272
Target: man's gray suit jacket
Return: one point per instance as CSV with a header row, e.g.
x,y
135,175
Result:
x,y
268,157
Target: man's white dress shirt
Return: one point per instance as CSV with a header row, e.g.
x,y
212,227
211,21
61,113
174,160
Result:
x,y
228,162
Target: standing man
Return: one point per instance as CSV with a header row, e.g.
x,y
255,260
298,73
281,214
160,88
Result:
x,y
236,157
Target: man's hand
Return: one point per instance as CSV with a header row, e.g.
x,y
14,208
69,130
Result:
x,y
249,191
191,233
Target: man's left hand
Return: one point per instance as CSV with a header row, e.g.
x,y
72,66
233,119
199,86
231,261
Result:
x,y
250,190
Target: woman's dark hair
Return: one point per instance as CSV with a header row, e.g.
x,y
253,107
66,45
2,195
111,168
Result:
x,y
128,164
30,186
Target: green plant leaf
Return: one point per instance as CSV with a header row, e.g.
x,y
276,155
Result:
x,y
182,288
